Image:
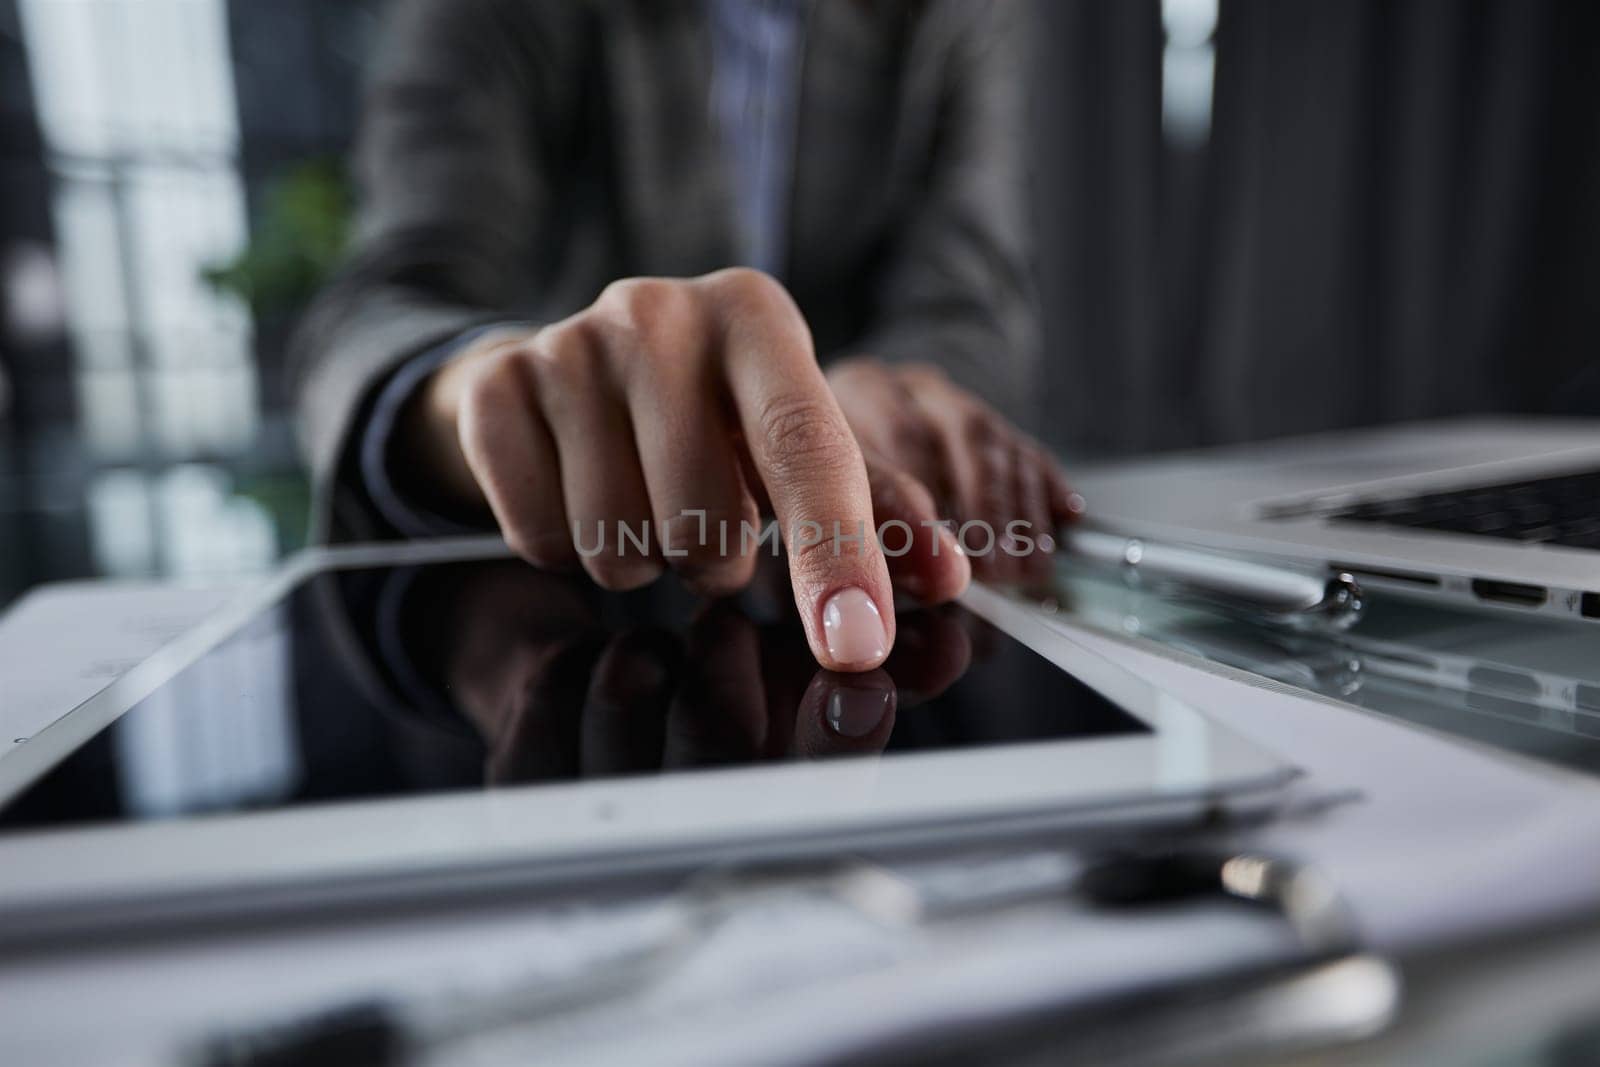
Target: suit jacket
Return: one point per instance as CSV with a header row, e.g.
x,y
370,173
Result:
x,y
518,155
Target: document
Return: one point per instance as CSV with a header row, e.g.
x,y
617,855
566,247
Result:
x,y
61,644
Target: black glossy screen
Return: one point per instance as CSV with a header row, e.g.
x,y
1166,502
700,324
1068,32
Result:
x,y
391,681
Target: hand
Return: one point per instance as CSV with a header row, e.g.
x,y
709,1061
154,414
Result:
x,y
663,400
939,438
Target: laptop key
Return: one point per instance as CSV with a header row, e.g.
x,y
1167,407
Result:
x,y
1536,534
1579,535
1564,510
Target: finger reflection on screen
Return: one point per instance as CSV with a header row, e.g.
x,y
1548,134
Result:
x,y
581,700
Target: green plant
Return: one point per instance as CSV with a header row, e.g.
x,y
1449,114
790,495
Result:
x,y
297,240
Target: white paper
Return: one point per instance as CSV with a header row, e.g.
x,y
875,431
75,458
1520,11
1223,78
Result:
x,y
62,644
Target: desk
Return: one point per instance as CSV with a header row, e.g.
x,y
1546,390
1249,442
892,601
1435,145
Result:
x,y
1434,841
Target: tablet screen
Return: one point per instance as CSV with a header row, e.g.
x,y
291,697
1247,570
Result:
x,y
378,682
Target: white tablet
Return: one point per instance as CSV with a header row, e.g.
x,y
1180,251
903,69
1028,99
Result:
x,y
408,721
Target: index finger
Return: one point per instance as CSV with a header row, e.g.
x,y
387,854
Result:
x,y
808,461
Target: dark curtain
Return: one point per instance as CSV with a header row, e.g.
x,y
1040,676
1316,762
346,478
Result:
x,y
1396,217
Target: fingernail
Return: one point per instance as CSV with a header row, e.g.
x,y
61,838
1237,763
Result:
x,y
1075,503
857,712
853,629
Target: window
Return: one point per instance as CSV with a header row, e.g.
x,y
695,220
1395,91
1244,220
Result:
x,y
136,107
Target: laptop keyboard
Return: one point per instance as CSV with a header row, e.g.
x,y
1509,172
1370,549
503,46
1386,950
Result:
x,y
1564,510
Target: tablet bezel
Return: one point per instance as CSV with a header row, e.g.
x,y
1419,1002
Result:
x,y
1185,764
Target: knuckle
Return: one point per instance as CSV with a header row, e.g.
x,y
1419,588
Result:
x,y
911,494
912,435
624,294
565,357
746,285
744,293
578,336
653,320
1039,475
1030,477
617,296
801,434
812,559
980,429
644,306
493,388
922,373
818,552
994,464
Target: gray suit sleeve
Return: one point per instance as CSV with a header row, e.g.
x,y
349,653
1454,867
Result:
x,y
377,458
449,165
959,288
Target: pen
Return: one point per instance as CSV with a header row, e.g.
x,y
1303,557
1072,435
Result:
x,y
1261,592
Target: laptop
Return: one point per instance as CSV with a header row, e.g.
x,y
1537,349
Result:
x,y
1499,513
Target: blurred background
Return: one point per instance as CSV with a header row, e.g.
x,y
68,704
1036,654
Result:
x,y
1256,217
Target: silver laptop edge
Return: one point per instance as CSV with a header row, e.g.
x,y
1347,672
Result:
x,y
1273,500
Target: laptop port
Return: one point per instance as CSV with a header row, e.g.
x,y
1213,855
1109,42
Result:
x,y
1513,593
1510,683
1590,607
1402,577
1505,707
